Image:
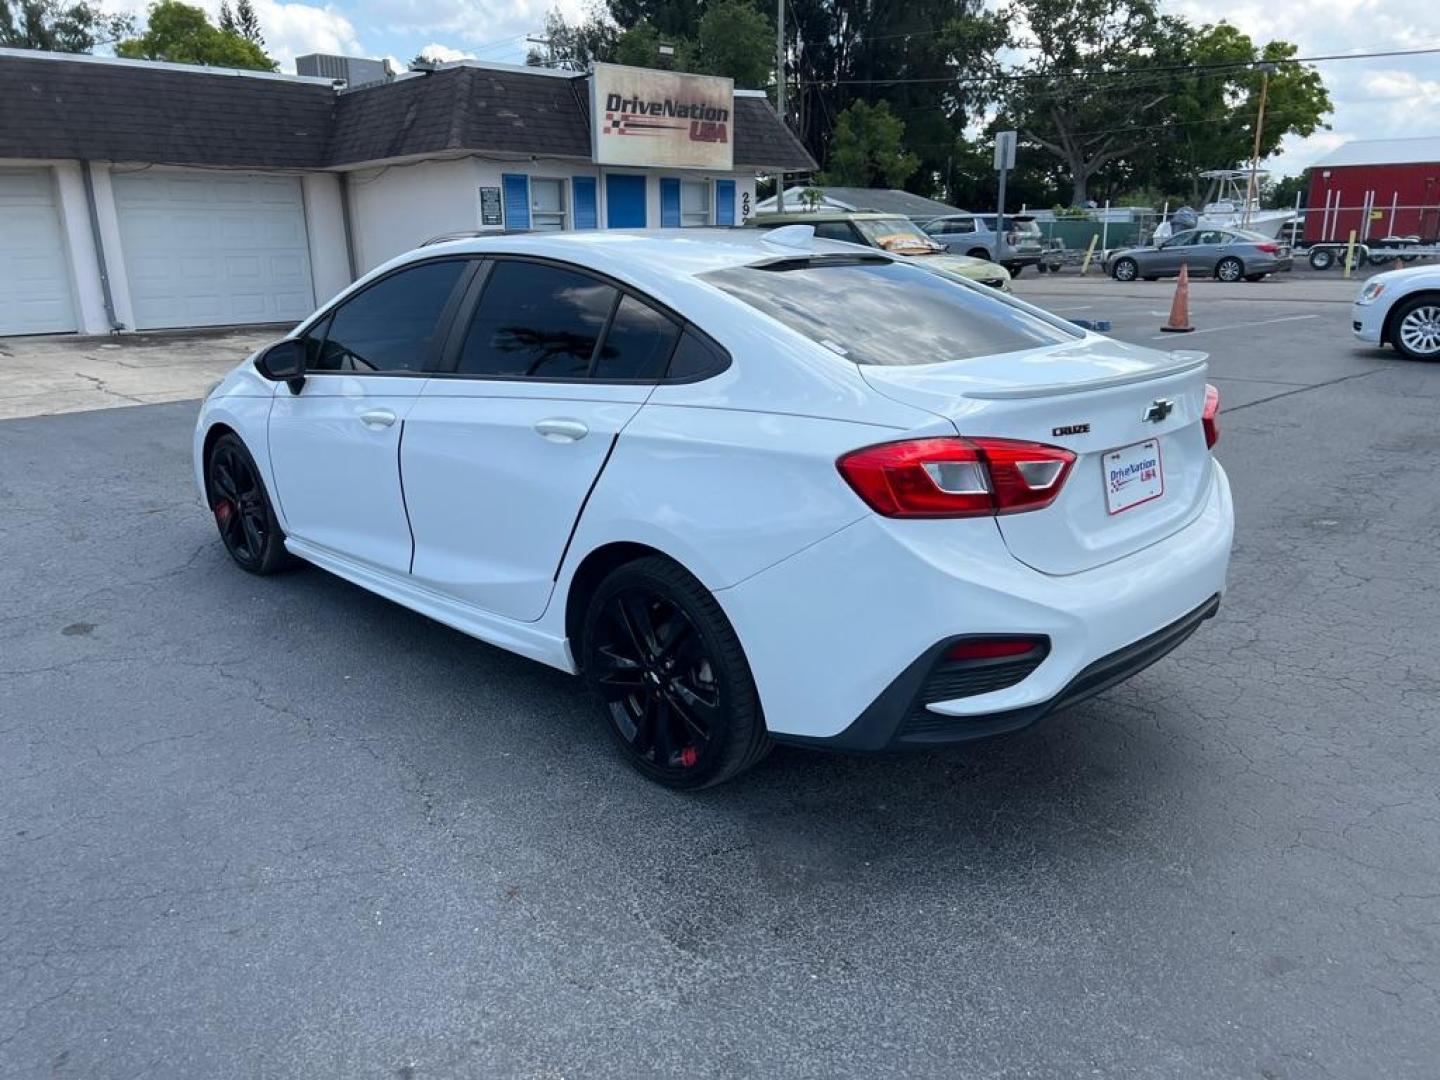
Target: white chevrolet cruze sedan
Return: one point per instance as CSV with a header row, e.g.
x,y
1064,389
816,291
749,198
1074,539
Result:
x,y
751,487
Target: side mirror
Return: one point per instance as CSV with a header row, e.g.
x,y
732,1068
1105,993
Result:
x,y
284,362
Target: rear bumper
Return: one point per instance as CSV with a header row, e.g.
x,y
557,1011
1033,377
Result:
x,y
832,631
899,718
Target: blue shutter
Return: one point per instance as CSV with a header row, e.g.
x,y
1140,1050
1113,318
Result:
x,y
517,200
583,197
724,202
669,203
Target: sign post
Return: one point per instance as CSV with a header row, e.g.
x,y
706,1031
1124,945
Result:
x,y
1004,162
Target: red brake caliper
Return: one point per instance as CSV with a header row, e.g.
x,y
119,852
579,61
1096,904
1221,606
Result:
x,y
223,511
689,756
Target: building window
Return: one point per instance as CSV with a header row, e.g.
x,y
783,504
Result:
x,y
694,203
547,204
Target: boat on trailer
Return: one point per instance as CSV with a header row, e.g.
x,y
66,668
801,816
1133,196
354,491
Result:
x,y
1232,204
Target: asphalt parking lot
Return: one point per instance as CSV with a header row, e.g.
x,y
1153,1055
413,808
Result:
x,y
282,828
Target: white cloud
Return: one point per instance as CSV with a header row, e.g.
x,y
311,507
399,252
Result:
x,y
490,27
289,29
443,53
293,30
1402,86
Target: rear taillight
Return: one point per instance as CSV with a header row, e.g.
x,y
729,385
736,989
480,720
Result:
x,y
1211,415
1269,249
956,477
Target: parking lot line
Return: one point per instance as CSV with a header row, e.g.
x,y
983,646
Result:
x,y
1239,326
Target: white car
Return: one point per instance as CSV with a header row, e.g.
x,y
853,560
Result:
x,y
751,487
1401,308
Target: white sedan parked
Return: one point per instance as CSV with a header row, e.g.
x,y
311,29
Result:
x,y
750,487
1401,308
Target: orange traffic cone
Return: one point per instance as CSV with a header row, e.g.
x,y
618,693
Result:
x,y
1180,307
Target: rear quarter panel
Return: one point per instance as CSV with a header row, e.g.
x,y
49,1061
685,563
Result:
x,y
726,493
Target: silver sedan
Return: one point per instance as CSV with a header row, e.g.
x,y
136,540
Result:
x,y
1228,254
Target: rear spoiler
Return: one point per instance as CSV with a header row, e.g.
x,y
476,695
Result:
x,y
1181,362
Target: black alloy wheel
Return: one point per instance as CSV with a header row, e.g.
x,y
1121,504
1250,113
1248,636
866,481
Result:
x,y
671,677
242,510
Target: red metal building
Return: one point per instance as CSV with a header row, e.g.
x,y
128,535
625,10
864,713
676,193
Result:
x,y
1379,188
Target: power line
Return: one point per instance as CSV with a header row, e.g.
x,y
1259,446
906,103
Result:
x,y
1052,75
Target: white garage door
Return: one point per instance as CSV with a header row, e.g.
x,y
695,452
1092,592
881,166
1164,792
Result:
x,y
210,249
34,272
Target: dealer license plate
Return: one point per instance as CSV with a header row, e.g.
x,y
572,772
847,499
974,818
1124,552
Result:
x,y
1133,475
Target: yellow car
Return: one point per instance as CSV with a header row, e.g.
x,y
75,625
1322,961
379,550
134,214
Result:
x,y
893,233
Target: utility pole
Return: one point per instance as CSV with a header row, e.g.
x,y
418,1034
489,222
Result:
x,y
780,93
1252,189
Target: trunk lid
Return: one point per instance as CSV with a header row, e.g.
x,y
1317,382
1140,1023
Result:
x,y
1139,476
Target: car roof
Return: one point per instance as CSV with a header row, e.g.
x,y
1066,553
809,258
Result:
x,y
664,263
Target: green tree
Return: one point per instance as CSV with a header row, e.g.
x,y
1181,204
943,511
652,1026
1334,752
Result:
x,y
576,46
1214,107
673,20
1089,93
1280,194
247,23
639,46
869,149
928,60
735,40
182,34
1114,90
227,18
55,27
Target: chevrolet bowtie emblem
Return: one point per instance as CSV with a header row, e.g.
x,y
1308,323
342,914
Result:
x,y
1158,410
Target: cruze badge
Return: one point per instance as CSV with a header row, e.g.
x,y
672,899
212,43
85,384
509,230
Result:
x,y
1070,429
1158,410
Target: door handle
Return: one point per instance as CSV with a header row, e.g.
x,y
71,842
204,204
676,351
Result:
x,y
377,418
558,430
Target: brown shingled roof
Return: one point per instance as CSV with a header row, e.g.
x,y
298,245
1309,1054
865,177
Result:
x,y
105,111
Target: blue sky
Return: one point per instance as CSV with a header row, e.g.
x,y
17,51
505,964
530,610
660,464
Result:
x,y
1391,98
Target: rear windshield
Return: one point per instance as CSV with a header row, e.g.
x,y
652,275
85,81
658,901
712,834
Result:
x,y
887,313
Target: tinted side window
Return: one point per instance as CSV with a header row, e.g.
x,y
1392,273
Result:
x,y
638,344
695,358
536,320
390,326
836,230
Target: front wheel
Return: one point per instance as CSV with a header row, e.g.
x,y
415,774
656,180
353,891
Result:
x,y
243,514
671,677
1417,328
1321,259
1125,270
1229,269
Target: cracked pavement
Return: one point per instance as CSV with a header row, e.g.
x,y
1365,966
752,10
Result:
x,y
283,828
